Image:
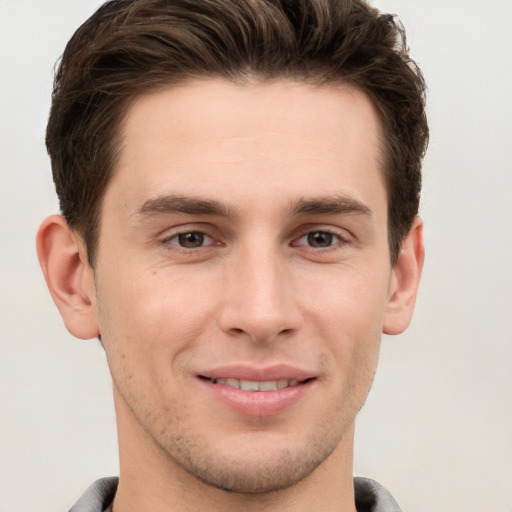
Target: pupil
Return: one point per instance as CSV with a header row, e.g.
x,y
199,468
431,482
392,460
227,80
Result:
x,y
320,239
191,240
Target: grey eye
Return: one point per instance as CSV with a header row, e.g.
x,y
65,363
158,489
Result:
x,y
191,240
320,239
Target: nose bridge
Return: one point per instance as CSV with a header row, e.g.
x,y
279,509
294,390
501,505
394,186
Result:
x,y
259,299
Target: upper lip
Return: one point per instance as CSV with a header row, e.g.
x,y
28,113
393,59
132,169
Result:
x,y
259,374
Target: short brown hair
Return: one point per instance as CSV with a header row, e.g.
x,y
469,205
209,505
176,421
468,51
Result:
x,y
130,47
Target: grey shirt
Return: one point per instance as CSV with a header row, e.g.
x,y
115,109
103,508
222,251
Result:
x,y
370,496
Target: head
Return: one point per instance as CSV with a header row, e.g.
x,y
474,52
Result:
x,y
234,177
133,47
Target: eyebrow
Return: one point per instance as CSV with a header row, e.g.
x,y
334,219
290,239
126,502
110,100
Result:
x,y
187,205
183,204
329,206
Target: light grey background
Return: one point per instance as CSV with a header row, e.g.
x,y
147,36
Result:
x,y
437,428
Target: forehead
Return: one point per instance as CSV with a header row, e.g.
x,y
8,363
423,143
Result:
x,y
242,138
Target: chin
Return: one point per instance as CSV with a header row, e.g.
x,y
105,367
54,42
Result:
x,y
255,468
256,478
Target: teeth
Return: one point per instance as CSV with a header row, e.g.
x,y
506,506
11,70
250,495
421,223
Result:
x,y
253,385
269,385
234,383
249,385
283,383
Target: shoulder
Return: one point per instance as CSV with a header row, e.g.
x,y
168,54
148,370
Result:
x,y
98,496
373,497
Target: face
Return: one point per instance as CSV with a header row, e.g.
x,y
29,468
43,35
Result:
x,y
243,277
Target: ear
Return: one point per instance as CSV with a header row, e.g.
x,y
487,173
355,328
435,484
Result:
x,y
69,277
405,281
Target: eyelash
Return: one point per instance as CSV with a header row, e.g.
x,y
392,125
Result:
x,y
202,235
338,239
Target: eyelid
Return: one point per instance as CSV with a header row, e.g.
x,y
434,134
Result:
x,y
341,248
344,235
170,239
169,234
186,227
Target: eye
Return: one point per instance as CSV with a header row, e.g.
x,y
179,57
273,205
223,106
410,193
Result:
x,y
191,239
320,239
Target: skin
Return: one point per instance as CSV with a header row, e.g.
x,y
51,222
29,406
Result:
x,y
243,225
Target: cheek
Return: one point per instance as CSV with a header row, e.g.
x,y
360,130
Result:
x,y
347,297
149,322
347,312
155,301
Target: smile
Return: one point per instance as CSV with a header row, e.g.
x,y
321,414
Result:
x,y
258,392
253,385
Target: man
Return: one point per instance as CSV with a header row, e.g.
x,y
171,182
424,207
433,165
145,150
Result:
x,y
239,186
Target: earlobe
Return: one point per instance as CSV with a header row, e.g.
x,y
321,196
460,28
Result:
x,y
68,276
406,279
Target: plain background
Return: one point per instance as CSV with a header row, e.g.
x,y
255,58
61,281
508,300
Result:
x,y
437,428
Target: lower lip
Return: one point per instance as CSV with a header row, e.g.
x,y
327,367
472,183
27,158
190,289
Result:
x,y
258,403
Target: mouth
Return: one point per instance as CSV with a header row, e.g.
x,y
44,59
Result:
x,y
255,385
258,392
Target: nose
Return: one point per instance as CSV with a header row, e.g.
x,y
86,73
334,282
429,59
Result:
x,y
259,299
